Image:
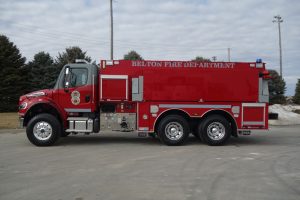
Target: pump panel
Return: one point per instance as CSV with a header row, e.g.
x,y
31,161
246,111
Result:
x,y
124,122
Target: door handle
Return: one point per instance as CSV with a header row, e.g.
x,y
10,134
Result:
x,y
87,98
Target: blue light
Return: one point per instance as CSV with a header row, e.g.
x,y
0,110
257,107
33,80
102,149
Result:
x,y
258,60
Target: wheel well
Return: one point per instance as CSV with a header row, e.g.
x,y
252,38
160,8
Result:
x,y
38,109
227,116
171,112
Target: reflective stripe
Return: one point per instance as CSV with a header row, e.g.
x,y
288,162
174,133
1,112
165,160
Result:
x,y
192,106
77,110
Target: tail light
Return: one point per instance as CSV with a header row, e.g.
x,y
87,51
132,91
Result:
x,y
265,74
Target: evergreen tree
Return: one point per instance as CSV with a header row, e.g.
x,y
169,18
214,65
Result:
x,y
69,56
42,72
133,55
12,75
201,59
296,98
276,88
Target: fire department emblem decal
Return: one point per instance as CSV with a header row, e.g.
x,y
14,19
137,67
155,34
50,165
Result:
x,y
75,97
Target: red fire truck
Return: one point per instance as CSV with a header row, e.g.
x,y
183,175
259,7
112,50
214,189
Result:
x,y
168,99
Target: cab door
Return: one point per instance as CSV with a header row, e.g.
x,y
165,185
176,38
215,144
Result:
x,y
78,96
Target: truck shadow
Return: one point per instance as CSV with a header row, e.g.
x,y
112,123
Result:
x,y
107,140
134,140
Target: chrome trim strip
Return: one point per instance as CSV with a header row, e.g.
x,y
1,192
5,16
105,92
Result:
x,y
105,76
75,130
77,118
254,123
253,104
192,106
78,110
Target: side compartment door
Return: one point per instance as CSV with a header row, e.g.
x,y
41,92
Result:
x,y
137,88
114,87
142,114
254,115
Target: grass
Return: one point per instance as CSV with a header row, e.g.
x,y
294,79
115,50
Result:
x,y
9,120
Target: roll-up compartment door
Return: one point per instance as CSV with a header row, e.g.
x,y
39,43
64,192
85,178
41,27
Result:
x,y
114,87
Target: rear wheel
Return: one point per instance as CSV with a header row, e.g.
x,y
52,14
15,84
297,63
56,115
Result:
x,y
173,130
43,130
214,130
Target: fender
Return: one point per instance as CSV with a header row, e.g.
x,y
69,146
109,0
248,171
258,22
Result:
x,y
62,114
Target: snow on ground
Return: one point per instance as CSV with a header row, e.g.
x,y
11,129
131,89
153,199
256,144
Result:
x,y
286,116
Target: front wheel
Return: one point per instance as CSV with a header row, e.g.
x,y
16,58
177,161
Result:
x,y
214,130
43,130
173,130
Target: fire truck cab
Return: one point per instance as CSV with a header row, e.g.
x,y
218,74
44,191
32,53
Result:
x,y
168,99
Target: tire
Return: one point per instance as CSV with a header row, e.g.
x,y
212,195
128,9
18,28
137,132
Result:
x,y
43,130
173,130
214,130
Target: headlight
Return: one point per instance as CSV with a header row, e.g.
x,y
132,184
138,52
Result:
x,y
23,106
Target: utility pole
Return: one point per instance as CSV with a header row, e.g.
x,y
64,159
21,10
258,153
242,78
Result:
x,y
278,19
214,58
111,32
228,54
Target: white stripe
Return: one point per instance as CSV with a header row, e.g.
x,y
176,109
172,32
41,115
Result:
x,y
114,76
253,104
254,123
77,110
192,106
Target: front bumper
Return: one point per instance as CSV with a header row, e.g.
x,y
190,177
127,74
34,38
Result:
x,y
21,122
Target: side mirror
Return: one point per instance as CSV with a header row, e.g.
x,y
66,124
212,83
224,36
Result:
x,y
67,79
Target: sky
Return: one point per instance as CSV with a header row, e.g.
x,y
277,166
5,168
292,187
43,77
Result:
x,y
159,29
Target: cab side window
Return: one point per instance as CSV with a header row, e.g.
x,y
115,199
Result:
x,y
79,77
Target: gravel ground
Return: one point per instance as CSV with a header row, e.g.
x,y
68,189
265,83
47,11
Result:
x,y
265,165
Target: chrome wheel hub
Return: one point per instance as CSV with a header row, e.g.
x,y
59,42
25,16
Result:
x,y
216,131
42,130
174,131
